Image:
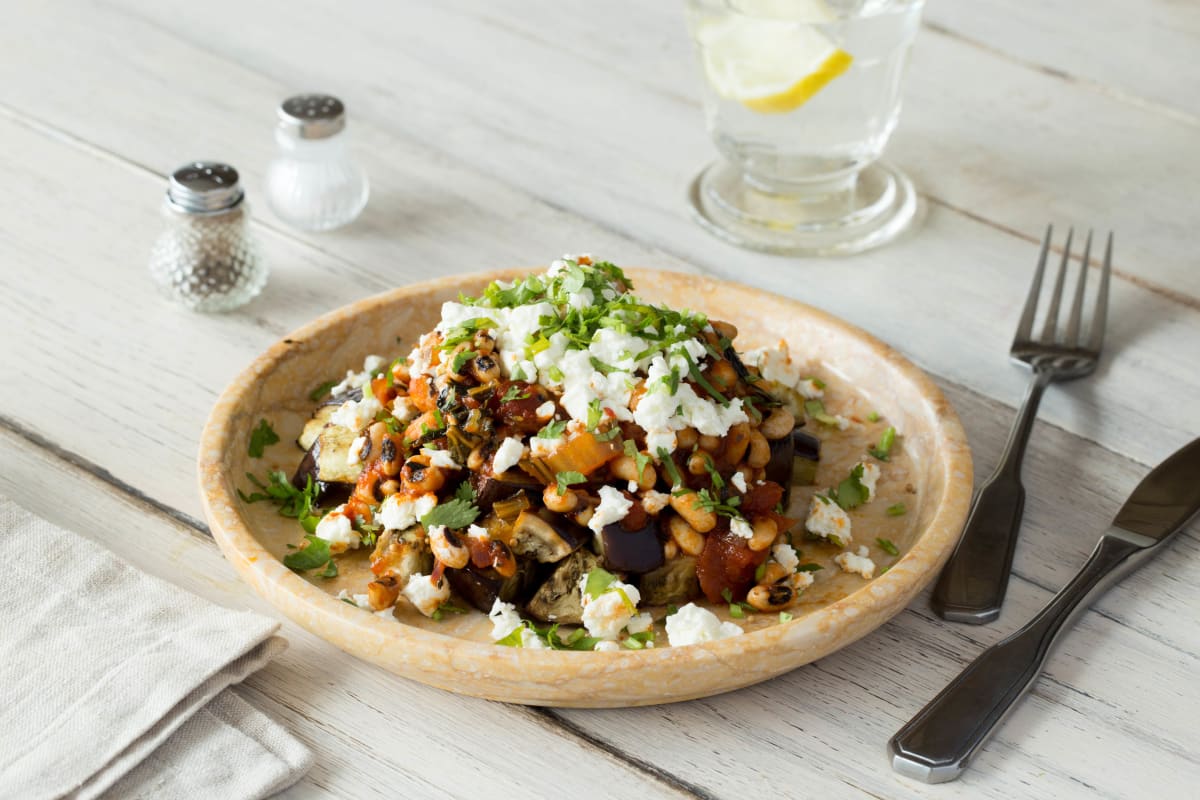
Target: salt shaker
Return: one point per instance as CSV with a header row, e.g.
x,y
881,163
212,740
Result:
x,y
206,258
315,184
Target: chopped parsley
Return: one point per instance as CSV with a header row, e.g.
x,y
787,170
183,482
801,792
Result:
x,y
460,359
883,450
886,546
851,492
262,437
514,393
299,504
320,390
553,429
897,510
569,478
313,555
457,513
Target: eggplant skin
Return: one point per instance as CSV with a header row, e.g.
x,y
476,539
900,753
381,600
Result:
x,y
557,599
673,583
547,539
328,493
782,464
631,551
483,587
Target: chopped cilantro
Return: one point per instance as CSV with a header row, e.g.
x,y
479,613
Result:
x,y
514,638
300,504
897,510
883,450
601,367
851,493
320,390
597,583
514,393
457,513
314,554
569,478
461,358
886,546
262,437
669,463
553,429
595,414
465,492
816,410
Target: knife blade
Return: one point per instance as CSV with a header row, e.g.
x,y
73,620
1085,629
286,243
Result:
x,y
937,744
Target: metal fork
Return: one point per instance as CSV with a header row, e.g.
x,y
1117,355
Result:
x,y
972,585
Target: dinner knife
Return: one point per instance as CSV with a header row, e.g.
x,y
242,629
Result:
x,y
938,743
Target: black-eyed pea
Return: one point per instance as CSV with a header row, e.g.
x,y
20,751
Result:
x,y
778,425
686,439
687,538
709,443
382,593
765,530
758,452
447,548
773,597
563,503
699,463
688,506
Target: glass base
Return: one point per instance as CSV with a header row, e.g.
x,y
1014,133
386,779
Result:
x,y
856,214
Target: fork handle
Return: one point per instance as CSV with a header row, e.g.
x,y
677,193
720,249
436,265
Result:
x,y
937,744
972,586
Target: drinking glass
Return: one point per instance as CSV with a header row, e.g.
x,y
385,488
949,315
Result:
x,y
801,97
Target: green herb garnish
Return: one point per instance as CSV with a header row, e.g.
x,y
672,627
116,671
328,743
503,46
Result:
x,y
554,373
261,437
699,378
886,546
312,555
672,469
851,492
897,510
569,478
594,415
299,504
330,571
810,567
883,450
785,616
514,393
597,583
457,513
553,429
816,410
873,416
640,459
446,608
320,390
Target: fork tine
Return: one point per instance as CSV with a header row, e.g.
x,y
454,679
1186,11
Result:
x,y
1025,327
1100,318
1073,324
1049,329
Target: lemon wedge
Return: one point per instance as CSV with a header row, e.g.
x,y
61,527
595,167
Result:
x,y
769,65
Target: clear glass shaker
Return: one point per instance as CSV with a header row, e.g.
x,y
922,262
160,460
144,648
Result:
x,y
206,258
315,184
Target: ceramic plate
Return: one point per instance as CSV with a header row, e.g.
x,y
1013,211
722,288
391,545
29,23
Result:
x,y
931,473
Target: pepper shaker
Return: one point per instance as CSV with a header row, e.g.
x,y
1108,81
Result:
x,y
315,184
206,259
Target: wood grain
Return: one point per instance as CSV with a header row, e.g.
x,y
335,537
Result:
x,y
497,136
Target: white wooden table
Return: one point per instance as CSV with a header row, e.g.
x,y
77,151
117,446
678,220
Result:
x,y
502,133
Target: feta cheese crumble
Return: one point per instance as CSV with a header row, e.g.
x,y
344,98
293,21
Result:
x,y
508,455
440,458
870,476
785,555
354,454
397,514
693,625
859,562
425,595
609,614
739,526
654,502
353,380
828,520
614,507
360,600
739,482
336,529
356,415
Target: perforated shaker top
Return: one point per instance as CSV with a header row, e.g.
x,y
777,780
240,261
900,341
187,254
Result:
x,y
204,187
312,116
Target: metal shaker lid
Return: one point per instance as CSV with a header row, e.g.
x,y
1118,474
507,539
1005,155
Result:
x,y
312,116
204,187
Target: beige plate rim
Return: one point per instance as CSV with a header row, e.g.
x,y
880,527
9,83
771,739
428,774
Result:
x,y
486,670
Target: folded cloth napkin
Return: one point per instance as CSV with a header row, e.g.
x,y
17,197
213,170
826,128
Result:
x,y
116,684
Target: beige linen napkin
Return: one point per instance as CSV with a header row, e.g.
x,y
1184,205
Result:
x,y
115,683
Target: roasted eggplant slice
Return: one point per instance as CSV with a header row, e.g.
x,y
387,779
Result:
x,y
557,599
545,540
636,551
330,451
402,554
327,493
794,461
673,582
482,587
489,488
313,428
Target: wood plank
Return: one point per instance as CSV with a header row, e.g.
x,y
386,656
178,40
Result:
x,y
433,210
1143,53
374,735
617,131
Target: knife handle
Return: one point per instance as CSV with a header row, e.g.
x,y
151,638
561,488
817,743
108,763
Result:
x,y
937,744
